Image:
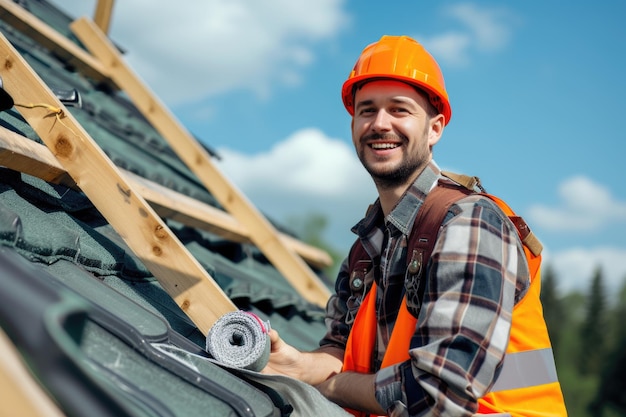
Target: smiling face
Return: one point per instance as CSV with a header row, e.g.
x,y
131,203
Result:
x,y
393,132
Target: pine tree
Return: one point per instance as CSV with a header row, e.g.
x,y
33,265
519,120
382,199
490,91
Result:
x,y
553,310
612,384
310,228
594,328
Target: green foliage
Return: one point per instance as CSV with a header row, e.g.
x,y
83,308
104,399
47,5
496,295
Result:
x,y
589,341
553,309
594,328
310,229
610,399
578,390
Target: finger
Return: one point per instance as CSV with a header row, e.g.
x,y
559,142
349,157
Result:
x,y
275,340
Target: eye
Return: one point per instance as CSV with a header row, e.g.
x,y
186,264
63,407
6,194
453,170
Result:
x,y
400,110
365,111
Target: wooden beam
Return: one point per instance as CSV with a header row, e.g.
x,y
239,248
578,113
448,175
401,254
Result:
x,y
191,212
21,393
178,272
102,15
24,155
262,233
49,38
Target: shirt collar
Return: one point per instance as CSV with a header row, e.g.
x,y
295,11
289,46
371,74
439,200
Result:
x,y
403,214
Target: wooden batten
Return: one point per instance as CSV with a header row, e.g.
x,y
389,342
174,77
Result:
x,y
260,230
24,155
178,272
102,15
191,212
49,38
22,395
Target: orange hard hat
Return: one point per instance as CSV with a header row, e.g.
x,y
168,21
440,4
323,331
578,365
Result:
x,y
399,58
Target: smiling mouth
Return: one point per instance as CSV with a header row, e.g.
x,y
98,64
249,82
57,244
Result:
x,y
384,145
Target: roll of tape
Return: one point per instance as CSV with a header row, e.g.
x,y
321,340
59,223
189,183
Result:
x,y
240,339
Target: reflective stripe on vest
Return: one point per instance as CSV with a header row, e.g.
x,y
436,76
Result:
x,y
521,370
526,369
493,415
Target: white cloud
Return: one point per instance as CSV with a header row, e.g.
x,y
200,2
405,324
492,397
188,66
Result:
x,y
584,206
575,267
213,46
224,45
451,47
307,162
481,29
306,173
490,28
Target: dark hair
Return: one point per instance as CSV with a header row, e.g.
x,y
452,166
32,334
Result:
x,y
431,110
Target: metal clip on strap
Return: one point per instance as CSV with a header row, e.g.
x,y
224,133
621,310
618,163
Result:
x,y
471,183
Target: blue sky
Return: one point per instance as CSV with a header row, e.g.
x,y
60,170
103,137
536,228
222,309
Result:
x,y
536,89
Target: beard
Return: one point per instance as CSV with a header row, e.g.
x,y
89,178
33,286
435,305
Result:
x,y
399,174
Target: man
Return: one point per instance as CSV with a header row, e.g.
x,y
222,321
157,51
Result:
x,y
462,326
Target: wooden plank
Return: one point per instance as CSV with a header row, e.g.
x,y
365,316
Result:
x,y
262,233
173,205
24,155
21,393
178,272
49,38
102,15
186,210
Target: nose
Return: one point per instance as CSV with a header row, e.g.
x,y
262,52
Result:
x,y
381,122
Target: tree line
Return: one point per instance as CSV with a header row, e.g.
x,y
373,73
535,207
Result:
x,y
588,334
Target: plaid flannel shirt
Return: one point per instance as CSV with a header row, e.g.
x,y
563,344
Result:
x,y
477,273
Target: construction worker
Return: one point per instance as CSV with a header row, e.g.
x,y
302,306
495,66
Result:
x,y
473,339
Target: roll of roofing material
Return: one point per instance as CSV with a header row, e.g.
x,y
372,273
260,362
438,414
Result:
x,y
240,339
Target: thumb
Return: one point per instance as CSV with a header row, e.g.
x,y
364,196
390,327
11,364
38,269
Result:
x,y
275,340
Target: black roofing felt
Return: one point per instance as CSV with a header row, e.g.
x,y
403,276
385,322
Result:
x,y
58,238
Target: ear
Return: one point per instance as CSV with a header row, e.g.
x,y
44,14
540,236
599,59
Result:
x,y
435,130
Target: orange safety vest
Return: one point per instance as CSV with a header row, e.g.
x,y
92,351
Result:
x,y
527,385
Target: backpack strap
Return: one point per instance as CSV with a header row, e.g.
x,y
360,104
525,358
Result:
x,y
424,233
528,238
422,237
359,264
471,183
428,221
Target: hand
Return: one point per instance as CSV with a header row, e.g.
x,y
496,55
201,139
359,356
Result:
x,y
284,358
310,367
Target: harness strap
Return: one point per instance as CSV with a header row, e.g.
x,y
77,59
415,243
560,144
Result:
x,y
358,356
427,224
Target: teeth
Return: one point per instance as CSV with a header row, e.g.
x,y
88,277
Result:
x,y
384,145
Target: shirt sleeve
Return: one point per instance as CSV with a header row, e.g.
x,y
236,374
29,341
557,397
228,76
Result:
x,y
337,324
476,273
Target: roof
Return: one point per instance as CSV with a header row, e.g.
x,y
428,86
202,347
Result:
x,y
92,312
